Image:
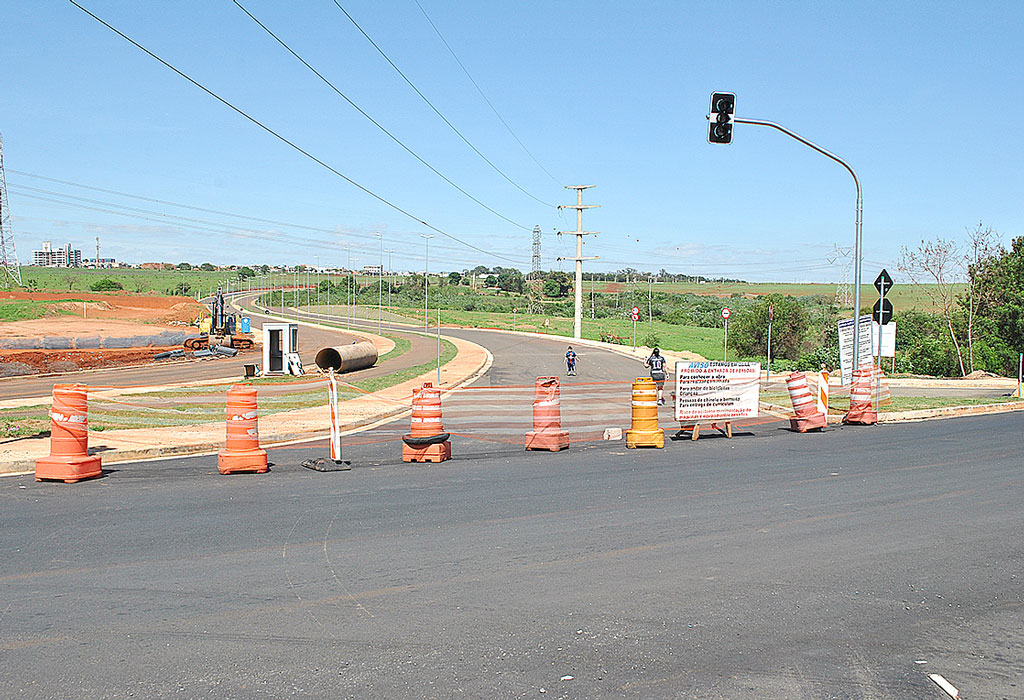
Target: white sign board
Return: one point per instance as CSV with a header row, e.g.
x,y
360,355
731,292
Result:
x,y
846,346
717,391
888,332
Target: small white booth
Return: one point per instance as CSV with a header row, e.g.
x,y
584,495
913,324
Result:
x,y
280,348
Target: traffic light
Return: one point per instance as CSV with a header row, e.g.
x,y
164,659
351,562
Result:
x,y
723,104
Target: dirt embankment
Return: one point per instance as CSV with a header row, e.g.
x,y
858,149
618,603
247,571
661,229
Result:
x,y
16,363
92,331
117,305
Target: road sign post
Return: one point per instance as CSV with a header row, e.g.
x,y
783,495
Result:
x,y
768,365
726,313
882,314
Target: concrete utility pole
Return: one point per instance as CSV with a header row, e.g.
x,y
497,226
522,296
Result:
x,y
577,326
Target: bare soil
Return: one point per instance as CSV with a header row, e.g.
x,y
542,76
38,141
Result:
x,y
25,362
118,305
91,315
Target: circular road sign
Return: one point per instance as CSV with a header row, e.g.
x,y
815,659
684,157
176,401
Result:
x,y
726,313
635,316
635,310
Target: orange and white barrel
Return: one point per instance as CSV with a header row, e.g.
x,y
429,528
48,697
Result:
x,y
804,404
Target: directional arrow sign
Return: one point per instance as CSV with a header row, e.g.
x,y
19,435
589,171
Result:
x,y
883,283
882,311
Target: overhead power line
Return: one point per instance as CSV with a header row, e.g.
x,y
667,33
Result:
x,y
478,89
371,119
438,112
292,144
186,224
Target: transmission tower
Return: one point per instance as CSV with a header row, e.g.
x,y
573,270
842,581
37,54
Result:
x,y
8,256
535,273
844,296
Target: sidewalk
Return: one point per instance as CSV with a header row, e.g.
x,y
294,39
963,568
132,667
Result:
x,y
470,362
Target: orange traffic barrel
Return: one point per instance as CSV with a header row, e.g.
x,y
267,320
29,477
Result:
x,y
862,411
426,441
645,431
547,433
805,405
69,459
242,451
882,384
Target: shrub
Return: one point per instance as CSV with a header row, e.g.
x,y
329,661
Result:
x,y
106,285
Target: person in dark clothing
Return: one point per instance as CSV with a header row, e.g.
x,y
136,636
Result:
x,y
570,362
657,365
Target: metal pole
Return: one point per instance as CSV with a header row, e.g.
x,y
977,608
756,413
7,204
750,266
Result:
x,y
650,306
380,286
878,377
1020,372
768,367
725,353
390,284
426,279
439,346
348,291
858,224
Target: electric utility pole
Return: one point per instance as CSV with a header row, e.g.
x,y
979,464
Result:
x,y
577,326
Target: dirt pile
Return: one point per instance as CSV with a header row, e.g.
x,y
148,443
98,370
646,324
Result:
x,y
117,305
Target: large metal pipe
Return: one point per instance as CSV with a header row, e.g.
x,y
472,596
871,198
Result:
x,y
347,358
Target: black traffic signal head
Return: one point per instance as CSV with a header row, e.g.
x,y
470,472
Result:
x,y
723,105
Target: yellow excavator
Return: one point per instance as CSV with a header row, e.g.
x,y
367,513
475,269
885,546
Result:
x,y
220,329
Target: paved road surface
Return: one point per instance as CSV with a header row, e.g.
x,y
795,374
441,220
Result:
x,y
770,565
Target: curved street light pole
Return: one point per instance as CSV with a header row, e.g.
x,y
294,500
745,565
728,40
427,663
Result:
x,y
857,236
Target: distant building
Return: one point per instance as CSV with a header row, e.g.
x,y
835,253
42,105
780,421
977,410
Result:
x,y
57,257
152,266
100,262
372,269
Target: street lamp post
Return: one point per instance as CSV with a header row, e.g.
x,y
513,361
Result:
x,y
380,284
426,277
389,251
858,242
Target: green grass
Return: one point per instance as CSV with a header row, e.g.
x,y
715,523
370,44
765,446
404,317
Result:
x,y
903,296
706,342
133,281
841,404
27,310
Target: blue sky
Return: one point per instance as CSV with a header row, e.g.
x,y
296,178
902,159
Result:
x,y
918,97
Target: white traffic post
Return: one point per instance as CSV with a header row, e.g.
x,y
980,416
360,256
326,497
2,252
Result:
x,y
332,393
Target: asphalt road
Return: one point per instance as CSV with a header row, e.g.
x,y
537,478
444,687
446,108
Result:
x,y
770,565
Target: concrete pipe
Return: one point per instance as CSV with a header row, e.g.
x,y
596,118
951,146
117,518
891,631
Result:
x,y
347,358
